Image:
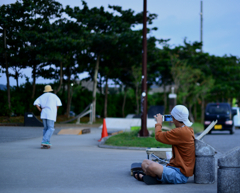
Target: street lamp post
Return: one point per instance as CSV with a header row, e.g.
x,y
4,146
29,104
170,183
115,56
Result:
x,y
144,132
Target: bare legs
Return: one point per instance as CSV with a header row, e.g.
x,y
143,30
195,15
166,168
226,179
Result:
x,y
152,168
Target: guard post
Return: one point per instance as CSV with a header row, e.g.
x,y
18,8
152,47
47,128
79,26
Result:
x,y
228,180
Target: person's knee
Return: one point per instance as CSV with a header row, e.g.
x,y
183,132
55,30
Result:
x,y
146,162
154,167
51,129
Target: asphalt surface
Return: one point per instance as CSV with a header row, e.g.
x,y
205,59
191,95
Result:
x,y
75,163
10,134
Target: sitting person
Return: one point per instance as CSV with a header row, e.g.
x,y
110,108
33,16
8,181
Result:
x,y
182,163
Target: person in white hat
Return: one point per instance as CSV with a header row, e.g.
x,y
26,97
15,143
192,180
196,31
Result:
x,y
48,104
181,165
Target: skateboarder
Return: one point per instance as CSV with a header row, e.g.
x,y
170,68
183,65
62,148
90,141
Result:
x,y
182,163
48,104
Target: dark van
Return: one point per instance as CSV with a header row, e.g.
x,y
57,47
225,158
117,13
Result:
x,y
221,112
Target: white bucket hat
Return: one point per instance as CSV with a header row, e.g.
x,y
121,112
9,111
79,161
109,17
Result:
x,y
48,88
180,113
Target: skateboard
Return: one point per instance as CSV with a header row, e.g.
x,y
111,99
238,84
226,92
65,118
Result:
x,y
136,166
45,146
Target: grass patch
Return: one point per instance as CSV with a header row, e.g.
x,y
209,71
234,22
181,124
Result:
x,y
131,139
197,127
6,119
135,128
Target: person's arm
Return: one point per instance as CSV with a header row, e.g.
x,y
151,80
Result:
x,y
168,137
158,118
38,108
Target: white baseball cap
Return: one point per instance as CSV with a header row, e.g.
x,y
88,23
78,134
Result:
x,y
180,113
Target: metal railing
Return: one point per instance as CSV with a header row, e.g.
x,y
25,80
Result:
x,y
87,110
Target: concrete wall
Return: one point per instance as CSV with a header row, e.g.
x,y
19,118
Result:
x,y
126,124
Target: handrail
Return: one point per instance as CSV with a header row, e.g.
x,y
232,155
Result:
x,y
82,114
207,130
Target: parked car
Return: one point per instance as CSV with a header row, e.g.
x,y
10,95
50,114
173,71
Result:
x,y
236,116
221,112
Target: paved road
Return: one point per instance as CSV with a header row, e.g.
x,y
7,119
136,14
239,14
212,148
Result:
x,y
76,164
223,141
9,134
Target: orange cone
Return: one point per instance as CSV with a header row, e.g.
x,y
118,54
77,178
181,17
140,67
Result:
x,y
104,130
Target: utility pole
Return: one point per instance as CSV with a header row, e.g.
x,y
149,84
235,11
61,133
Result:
x,y
201,25
144,132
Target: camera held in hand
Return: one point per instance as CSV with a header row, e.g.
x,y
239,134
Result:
x,y
167,118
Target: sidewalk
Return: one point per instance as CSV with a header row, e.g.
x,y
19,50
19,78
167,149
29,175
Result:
x,y
75,163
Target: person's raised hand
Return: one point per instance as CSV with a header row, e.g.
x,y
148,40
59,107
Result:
x,y
158,118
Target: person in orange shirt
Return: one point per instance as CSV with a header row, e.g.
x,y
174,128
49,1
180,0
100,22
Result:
x,y
181,165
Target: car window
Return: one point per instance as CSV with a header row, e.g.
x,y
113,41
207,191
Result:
x,y
218,109
234,111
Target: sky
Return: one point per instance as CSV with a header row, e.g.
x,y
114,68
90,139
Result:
x,y
177,19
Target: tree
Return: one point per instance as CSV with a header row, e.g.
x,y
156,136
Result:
x,y
37,25
159,65
12,18
104,28
63,45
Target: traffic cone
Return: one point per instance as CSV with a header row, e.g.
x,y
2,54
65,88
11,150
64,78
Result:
x,y
104,130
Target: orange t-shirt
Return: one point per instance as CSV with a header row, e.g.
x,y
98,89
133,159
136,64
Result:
x,y
183,147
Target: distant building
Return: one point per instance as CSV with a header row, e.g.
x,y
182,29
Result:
x,y
159,89
89,86
115,88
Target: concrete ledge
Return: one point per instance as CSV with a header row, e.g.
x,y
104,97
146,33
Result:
x,y
126,124
74,131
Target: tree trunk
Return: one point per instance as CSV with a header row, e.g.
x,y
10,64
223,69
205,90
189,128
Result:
x,y
190,113
17,82
202,110
61,79
63,95
34,80
100,83
16,76
7,74
137,98
8,85
165,98
195,111
124,102
95,89
230,101
105,101
68,94
184,101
